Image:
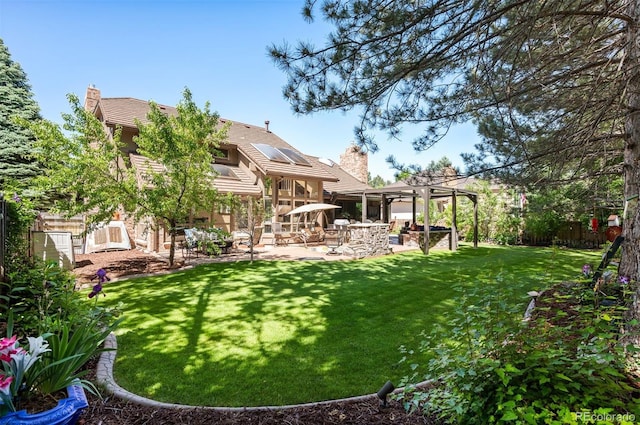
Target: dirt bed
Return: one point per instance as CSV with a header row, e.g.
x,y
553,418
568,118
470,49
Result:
x,y
117,412
117,264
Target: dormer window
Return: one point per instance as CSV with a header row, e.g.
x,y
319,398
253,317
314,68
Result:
x,y
221,153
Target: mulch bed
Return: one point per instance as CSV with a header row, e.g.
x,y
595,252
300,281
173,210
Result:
x,y
114,411
117,264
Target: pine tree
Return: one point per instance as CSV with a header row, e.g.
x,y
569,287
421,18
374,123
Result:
x,y
553,86
16,99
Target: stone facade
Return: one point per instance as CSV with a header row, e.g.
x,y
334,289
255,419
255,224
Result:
x,y
356,163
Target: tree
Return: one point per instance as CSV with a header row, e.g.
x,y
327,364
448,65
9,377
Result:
x,y
185,145
553,86
16,100
90,172
377,181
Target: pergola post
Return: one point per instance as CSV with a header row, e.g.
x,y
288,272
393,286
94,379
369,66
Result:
x,y
413,210
453,238
475,220
384,209
426,192
364,208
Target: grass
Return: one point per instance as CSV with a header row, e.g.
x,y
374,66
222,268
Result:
x,y
286,332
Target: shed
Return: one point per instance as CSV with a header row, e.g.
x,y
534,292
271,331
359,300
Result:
x,y
54,246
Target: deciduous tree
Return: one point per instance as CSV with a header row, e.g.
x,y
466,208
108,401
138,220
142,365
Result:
x,y
87,166
185,146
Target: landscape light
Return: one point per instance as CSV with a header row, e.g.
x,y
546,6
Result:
x,y
386,389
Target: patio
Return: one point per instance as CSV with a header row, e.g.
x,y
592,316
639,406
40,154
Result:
x,y
280,252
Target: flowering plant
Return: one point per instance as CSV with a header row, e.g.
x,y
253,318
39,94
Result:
x,y
16,362
624,280
586,270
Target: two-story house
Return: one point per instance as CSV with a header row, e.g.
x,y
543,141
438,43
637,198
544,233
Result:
x,y
255,163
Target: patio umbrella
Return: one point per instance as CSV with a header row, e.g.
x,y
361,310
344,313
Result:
x,y
312,207
317,207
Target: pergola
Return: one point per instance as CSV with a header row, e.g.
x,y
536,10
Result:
x,y
426,192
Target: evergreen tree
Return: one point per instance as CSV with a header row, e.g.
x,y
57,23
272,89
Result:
x,y
553,86
16,100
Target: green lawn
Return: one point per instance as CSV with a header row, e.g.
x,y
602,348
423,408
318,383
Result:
x,y
286,332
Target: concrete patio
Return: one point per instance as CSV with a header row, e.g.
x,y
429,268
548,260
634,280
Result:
x,y
272,252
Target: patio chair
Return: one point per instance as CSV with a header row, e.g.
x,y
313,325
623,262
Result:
x,y
280,237
311,235
190,244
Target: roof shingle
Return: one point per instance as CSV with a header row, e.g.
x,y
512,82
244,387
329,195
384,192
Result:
x,y
125,111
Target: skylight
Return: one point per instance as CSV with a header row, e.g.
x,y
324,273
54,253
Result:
x,y
224,171
284,155
294,156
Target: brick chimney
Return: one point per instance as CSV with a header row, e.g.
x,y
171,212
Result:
x,y
355,162
92,98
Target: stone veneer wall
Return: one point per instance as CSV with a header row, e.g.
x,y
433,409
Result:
x,y
355,162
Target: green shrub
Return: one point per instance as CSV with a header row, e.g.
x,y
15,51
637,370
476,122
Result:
x,y
40,294
495,368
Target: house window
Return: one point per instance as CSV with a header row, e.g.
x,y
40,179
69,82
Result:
x,y
293,194
221,153
284,188
241,216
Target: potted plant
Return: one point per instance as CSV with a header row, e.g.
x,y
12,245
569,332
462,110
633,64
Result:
x,y
16,382
52,363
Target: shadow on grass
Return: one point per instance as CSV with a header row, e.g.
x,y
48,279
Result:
x,y
286,332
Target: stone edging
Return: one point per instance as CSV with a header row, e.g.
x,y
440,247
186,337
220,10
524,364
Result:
x,y
104,377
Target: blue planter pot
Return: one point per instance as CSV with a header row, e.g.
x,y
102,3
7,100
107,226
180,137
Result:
x,y
66,412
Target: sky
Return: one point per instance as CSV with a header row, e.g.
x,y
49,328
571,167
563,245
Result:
x,y
153,49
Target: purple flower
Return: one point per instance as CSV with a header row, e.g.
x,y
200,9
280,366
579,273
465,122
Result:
x,y
586,270
101,274
96,290
624,279
16,198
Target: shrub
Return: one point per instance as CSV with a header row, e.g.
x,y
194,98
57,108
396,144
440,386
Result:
x,y
493,368
40,294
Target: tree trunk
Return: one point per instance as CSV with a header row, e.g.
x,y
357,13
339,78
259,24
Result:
x,y
172,247
630,261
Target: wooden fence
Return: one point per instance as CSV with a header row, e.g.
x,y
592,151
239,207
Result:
x,y
573,234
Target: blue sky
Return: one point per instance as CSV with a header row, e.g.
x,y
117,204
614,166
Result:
x,y
152,49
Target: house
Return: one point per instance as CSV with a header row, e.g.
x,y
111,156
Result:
x,y
255,163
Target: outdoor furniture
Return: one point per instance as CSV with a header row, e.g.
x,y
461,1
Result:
x,y
189,245
311,235
196,241
280,236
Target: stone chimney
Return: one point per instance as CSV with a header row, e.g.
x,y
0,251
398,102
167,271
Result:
x,y
355,162
92,98
450,176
